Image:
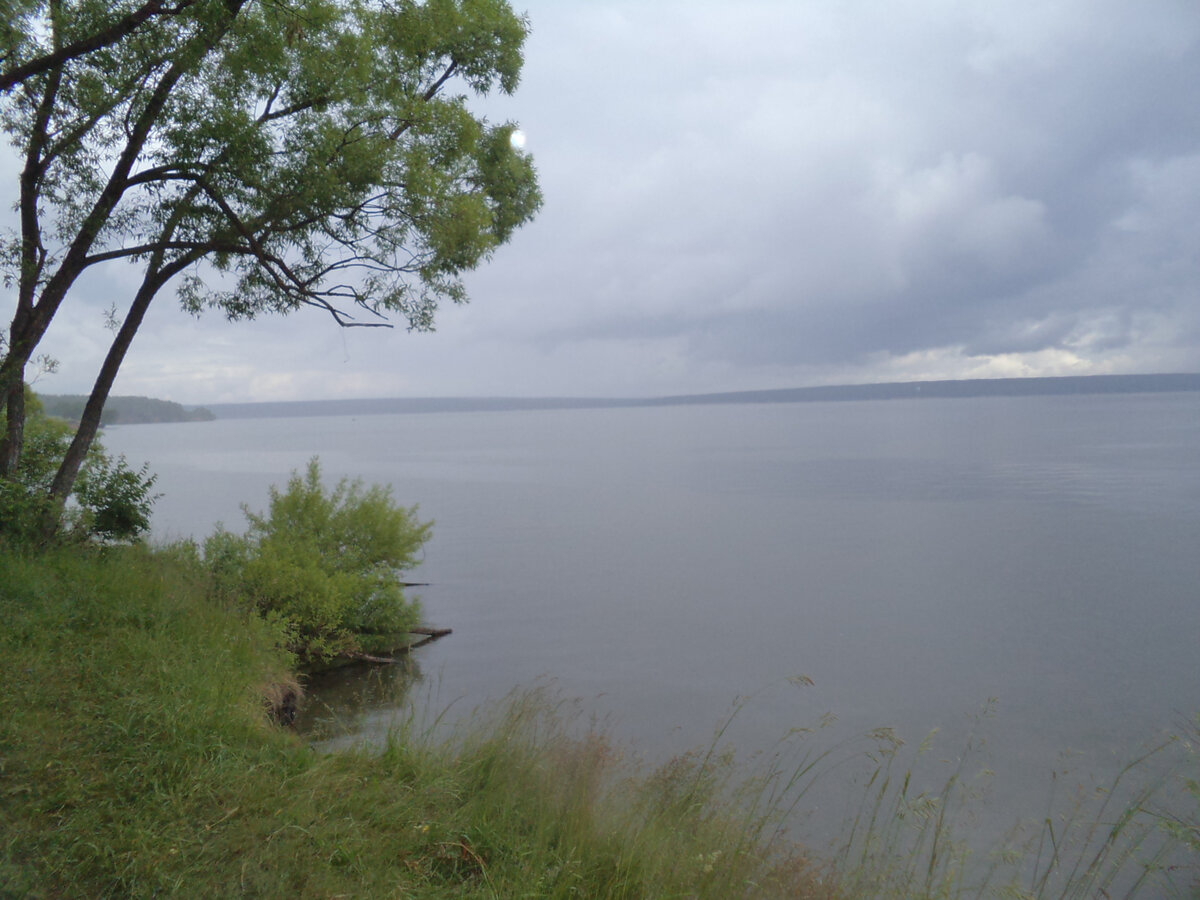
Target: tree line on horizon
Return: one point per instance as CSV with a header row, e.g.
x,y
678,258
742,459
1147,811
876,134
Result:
x,y
124,410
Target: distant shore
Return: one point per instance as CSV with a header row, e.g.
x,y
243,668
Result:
x,y
125,410
978,387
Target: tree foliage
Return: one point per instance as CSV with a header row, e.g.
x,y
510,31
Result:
x,y
99,25
264,155
113,500
327,563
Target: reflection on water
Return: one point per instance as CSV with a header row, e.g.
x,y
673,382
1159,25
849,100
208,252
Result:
x,y
356,703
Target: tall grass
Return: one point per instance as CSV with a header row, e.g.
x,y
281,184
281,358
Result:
x,y
136,760
1105,842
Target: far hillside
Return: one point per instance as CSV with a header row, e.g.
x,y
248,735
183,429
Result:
x,y
125,410
910,390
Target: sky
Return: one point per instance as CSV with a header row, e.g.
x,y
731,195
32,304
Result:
x,y
780,193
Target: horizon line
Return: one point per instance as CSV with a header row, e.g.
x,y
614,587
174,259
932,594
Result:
x,y
936,388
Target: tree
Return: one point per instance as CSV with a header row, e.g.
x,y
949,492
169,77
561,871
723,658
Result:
x,y
79,115
264,156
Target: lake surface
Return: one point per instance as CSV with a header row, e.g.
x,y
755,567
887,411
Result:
x,y
914,558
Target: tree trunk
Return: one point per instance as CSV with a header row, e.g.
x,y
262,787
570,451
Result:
x,y
12,389
29,325
89,422
33,257
13,400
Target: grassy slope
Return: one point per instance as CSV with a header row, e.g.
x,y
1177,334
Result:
x,y
136,760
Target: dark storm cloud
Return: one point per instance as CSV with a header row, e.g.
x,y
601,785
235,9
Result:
x,y
938,179
766,193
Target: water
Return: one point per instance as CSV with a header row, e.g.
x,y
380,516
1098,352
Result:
x,y
912,557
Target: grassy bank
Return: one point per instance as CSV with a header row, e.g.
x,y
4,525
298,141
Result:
x,y
136,759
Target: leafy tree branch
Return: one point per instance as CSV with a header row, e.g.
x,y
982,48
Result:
x,y
14,73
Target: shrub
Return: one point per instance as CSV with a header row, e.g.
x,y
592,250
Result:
x,y
112,501
327,563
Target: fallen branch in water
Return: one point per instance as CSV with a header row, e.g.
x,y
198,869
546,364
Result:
x,y
430,634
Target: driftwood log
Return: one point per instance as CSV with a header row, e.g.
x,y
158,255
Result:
x,y
428,635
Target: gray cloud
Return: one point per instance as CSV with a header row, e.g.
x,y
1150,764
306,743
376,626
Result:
x,y
870,182
767,193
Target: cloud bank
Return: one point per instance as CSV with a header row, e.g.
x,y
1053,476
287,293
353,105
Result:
x,y
770,194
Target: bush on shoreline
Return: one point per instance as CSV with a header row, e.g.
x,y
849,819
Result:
x,y
325,564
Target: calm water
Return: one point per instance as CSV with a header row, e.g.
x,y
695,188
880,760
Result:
x,y
913,558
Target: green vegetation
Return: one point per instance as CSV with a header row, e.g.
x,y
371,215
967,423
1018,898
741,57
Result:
x,y
124,410
112,500
326,565
137,760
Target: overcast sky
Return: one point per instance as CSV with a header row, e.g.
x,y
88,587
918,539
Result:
x,y
760,194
